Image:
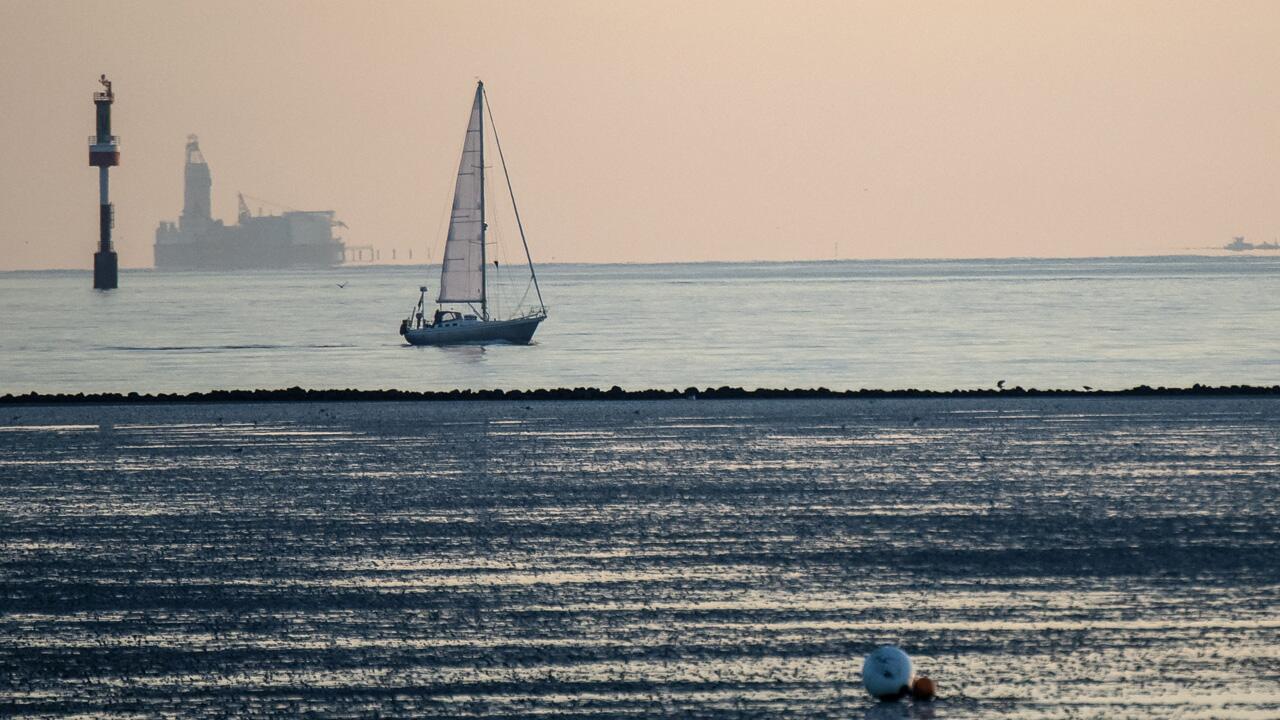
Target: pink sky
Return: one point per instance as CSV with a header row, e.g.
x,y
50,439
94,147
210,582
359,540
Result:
x,y
662,131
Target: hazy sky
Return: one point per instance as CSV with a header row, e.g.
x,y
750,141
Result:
x,y
662,131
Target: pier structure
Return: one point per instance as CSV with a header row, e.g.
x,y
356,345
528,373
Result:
x,y
104,153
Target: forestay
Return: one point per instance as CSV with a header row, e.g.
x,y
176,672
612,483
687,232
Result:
x,y
462,274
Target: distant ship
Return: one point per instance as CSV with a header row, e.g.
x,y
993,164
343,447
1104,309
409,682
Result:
x,y
464,270
1238,244
198,242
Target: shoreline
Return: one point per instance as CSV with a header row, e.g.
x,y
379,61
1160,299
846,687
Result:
x,y
615,393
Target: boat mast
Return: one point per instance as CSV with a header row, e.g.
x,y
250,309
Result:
x,y
512,193
484,296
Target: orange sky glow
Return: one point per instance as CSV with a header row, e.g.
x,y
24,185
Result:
x,y
662,131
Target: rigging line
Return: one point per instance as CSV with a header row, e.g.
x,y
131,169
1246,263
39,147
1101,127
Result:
x,y
525,296
498,256
511,192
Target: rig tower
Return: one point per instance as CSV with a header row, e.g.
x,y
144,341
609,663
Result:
x,y
104,153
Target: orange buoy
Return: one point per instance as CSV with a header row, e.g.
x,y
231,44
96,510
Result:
x,y
923,689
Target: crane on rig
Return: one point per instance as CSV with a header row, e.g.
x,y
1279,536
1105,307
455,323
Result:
x,y
244,212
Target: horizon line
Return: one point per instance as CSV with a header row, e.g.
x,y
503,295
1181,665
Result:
x,y
1190,254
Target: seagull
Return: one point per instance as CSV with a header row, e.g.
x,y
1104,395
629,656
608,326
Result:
x,y
1086,387
342,284
1000,384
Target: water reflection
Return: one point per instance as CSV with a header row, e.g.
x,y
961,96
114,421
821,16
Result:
x,y
471,353
709,559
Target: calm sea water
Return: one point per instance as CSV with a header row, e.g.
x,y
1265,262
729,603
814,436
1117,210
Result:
x,y
1107,323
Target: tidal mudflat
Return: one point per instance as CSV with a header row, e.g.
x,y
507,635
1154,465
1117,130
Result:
x,y
1040,558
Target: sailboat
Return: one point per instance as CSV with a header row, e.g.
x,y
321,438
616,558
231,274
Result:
x,y
464,270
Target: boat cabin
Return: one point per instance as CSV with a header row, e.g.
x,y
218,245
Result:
x,y
450,318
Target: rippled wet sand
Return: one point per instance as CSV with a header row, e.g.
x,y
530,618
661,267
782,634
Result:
x,y
1039,558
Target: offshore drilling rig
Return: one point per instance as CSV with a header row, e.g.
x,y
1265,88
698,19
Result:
x,y
104,153
295,238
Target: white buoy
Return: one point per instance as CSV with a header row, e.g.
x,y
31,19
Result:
x,y
887,673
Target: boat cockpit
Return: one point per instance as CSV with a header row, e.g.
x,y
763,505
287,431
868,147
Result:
x,y
417,320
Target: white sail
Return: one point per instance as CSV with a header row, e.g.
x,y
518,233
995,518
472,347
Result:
x,y
462,274
462,278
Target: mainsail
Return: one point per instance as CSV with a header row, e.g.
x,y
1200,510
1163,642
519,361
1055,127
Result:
x,y
462,273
